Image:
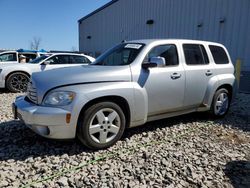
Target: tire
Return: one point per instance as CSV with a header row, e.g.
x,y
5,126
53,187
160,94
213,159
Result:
x,y
17,82
220,104
101,125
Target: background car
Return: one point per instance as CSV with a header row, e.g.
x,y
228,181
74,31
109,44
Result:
x,y
8,57
15,77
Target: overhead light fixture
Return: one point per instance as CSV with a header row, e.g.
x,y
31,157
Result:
x,y
222,20
150,22
200,24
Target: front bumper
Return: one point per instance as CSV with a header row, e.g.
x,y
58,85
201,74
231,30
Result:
x,y
48,122
2,82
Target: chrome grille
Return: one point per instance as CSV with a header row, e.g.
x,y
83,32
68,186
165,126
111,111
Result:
x,y
31,93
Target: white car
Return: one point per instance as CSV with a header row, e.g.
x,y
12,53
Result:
x,y
8,57
15,77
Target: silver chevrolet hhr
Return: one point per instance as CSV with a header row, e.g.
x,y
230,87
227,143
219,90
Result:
x,y
131,84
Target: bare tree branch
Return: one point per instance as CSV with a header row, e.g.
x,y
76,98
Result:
x,y
35,43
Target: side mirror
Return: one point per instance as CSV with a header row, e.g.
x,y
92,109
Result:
x,y
45,63
154,62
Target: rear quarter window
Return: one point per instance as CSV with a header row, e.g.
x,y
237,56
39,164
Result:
x,y
219,54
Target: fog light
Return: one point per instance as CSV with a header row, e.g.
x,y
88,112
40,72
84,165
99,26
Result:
x,y
44,131
68,116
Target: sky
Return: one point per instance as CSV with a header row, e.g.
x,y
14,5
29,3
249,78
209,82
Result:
x,y
53,21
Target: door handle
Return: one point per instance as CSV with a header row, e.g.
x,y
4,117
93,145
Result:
x,y
209,73
175,76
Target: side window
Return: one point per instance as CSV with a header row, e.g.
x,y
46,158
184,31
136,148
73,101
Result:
x,y
59,59
8,57
74,59
169,52
30,57
219,55
195,54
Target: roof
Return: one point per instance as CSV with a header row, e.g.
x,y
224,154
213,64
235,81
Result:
x,y
148,41
97,10
31,51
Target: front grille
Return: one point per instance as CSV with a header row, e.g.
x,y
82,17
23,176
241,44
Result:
x,y
31,93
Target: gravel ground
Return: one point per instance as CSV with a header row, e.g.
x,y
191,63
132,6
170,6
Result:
x,y
186,151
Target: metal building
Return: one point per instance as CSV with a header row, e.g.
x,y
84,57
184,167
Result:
x,y
224,21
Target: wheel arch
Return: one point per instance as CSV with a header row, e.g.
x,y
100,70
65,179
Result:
x,y
120,101
10,73
214,85
228,87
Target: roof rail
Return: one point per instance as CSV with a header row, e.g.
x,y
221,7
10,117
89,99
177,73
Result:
x,y
33,51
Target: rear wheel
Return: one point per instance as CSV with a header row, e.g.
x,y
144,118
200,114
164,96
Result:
x,y
17,82
221,103
101,125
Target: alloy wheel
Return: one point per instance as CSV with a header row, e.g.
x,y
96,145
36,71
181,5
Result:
x,y
104,125
221,104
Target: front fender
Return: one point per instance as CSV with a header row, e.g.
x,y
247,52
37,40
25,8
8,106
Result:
x,y
8,72
131,92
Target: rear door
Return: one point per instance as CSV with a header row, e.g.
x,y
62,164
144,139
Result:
x,y
198,73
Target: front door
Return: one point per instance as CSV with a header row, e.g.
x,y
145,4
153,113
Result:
x,y
165,85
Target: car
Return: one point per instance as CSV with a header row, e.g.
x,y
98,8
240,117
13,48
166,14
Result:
x,y
15,77
133,83
9,57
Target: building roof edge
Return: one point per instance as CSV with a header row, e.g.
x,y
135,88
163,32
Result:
x,y
97,10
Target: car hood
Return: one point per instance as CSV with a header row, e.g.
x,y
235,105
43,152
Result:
x,y
47,80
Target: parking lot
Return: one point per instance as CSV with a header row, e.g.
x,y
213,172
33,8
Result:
x,y
187,151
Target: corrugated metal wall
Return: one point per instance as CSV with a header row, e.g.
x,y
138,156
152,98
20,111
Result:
x,y
224,21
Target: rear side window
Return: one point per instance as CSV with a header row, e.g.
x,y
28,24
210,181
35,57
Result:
x,y
8,57
59,59
79,60
219,55
195,54
168,52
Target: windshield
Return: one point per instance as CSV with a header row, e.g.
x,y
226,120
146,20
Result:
x,y
39,59
123,54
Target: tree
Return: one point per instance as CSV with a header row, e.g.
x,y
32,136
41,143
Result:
x,y
73,49
35,43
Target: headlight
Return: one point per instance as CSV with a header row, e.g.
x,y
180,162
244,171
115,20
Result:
x,y
59,98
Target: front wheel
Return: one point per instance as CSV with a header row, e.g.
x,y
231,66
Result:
x,y
17,82
101,125
221,103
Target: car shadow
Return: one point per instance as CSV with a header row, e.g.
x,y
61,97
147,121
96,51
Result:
x,y
3,90
201,117
168,122
19,142
239,173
